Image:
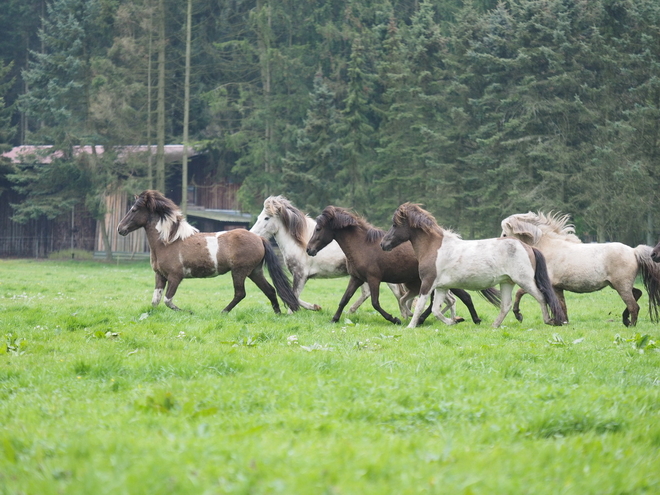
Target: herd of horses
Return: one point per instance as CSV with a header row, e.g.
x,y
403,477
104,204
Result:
x,y
416,257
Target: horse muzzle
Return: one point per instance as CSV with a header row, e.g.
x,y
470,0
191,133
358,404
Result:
x,y
122,232
312,252
386,246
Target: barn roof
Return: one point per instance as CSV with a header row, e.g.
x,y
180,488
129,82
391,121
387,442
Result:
x,y
173,152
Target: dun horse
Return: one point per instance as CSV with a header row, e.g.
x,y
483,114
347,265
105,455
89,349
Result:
x,y
446,260
178,251
578,267
368,263
291,228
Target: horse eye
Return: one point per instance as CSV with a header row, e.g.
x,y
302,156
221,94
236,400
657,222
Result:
x,y
266,219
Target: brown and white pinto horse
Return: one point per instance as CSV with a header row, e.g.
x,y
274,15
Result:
x,y
446,260
582,268
179,250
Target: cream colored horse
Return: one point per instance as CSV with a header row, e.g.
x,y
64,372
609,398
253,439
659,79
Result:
x,y
578,267
446,260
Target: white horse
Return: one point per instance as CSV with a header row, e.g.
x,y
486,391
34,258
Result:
x,y
292,229
446,260
579,267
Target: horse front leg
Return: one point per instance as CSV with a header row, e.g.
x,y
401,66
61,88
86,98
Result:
x,y
353,284
172,286
364,295
158,290
374,287
516,305
506,291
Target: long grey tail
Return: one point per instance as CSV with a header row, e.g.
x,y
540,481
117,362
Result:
x,y
542,280
280,280
650,272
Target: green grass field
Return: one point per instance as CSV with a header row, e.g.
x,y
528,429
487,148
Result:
x,y
99,393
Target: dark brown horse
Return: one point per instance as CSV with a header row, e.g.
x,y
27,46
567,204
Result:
x,y
367,262
179,250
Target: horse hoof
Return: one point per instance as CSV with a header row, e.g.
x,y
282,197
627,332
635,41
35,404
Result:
x,y
518,316
316,308
396,321
476,321
459,319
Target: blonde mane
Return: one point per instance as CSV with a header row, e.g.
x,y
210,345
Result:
x,y
294,220
172,225
537,225
419,218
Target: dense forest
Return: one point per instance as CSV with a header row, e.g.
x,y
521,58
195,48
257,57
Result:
x,y
476,109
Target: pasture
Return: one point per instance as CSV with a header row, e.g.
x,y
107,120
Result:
x,y
99,393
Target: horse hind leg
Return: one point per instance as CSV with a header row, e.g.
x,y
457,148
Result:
x,y
299,282
631,312
516,305
260,280
238,277
172,286
506,291
364,295
374,287
562,302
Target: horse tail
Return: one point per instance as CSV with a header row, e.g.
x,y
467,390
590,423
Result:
x,y
280,280
542,280
650,272
492,295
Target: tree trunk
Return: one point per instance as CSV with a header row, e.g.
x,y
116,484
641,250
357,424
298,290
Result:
x,y
186,113
264,35
150,158
160,110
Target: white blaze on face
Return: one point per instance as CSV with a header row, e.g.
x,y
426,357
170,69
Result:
x,y
212,246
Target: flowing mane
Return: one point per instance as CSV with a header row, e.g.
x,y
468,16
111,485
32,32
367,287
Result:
x,y
419,218
536,225
294,220
172,224
341,218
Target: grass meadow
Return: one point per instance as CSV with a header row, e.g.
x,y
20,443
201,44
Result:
x,y
100,393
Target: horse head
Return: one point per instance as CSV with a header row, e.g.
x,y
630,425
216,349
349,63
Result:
x,y
152,206
407,218
139,214
268,222
331,219
280,216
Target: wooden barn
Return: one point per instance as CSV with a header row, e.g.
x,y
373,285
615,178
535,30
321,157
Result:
x,y
212,206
